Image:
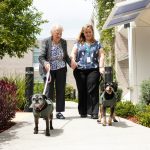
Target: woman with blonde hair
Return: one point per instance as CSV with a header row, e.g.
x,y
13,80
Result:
x,y
88,62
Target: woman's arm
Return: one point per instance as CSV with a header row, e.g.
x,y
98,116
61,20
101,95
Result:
x,y
101,60
73,57
67,58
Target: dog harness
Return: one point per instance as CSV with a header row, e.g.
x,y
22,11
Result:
x,y
44,112
107,103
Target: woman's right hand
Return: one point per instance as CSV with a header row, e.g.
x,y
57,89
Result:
x,y
73,64
47,67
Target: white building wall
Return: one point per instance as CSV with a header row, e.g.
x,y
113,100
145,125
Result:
x,y
15,66
142,58
138,52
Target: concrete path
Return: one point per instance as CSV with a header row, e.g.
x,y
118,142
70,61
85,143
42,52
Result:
x,y
74,133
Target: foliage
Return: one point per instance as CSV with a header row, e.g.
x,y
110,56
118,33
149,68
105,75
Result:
x,y
19,25
38,87
119,94
69,92
144,116
20,93
72,99
125,109
145,92
140,111
107,36
20,83
8,99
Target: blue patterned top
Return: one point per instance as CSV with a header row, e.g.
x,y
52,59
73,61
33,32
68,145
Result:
x,y
56,60
88,55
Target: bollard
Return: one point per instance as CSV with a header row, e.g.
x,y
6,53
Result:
x,y
108,74
29,84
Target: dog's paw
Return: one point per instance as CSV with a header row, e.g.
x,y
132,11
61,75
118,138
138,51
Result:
x,y
104,121
35,132
98,120
51,128
115,120
47,134
104,124
110,124
110,121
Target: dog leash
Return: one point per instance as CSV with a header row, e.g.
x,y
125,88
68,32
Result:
x,y
102,77
48,80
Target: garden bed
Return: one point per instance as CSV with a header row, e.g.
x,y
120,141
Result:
x,y
7,126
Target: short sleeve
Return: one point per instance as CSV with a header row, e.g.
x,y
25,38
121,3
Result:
x,y
75,45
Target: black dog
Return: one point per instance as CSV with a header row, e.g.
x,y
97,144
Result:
x,y
107,99
42,108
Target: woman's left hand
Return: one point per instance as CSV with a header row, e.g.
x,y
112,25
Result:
x,y
102,70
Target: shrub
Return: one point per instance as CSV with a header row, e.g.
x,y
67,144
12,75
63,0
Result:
x,y
140,107
145,92
125,109
38,87
144,116
119,94
8,99
69,92
19,81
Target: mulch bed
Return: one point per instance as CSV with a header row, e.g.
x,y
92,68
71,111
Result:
x,y
133,119
7,126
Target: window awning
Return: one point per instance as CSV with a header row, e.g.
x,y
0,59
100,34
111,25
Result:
x,y
125,12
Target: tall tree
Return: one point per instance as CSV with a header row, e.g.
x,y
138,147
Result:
x,y
19,25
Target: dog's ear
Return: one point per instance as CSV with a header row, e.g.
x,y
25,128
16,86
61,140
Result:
x,y
106,84
44,97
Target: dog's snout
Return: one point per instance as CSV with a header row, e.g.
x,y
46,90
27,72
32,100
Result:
x,y
36,100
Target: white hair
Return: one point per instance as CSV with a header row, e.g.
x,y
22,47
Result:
x,y
56,27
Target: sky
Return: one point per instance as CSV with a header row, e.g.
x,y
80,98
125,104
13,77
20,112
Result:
x,y
71,14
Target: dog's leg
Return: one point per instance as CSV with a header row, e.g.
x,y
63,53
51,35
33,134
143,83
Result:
x,y
36,120
111,115
100,114
103,115
114,118
110,121
47,131
51,122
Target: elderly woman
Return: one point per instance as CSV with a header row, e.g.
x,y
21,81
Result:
x,y
87,57
54,57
